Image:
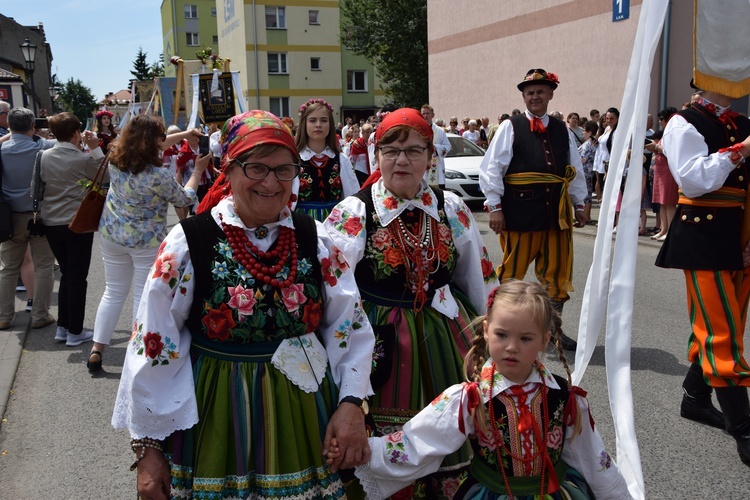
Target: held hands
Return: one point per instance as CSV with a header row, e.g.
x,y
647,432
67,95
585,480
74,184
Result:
x,y
581,218
153,482
345,444
90,139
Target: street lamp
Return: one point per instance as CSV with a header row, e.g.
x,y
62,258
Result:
x,y
29,54
53,90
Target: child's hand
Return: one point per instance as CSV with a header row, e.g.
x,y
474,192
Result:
x,y
333,452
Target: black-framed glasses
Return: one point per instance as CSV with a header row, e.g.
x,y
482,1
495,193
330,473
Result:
x,y
412,152
259,171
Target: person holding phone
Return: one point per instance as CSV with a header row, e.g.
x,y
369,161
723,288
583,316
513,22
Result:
x,y
134,220
192,147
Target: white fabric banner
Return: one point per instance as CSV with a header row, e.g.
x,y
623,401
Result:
x,y
722,58
610,283
238,94
193,121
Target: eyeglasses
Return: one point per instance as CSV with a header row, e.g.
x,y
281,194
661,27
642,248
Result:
x,y
259,171
454,123
465,121
412,153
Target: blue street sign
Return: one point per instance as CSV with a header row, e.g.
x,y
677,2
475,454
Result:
x,y
620,10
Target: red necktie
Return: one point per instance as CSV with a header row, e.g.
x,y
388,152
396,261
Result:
x,y
525,424
537,126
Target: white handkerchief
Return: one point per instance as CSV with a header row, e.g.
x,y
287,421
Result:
x,y
304,371
444,302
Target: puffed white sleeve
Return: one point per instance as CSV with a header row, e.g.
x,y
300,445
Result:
x,y
346,227
495,163
346,331
156,395
348,178
586,454
694,170
474,274
400,458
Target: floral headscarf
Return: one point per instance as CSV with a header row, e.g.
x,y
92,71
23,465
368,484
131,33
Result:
x,y
405,116
240,134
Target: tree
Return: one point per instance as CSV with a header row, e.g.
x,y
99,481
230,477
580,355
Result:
x,y
142,71
75,97
393,37
157,67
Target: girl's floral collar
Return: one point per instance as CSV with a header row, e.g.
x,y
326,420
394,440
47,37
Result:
x,y
226,208
308,153
388,206
501,384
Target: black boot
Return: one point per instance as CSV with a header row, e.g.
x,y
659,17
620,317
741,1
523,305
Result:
x,y
735,404
696,399
566,342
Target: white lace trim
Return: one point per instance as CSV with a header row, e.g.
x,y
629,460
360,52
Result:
x,y
303,360
369,484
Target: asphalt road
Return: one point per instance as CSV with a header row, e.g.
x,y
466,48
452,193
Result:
x,y
56,441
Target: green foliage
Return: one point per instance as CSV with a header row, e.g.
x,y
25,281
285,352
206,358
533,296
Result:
x,y
157,67
141,69
75,97
393,37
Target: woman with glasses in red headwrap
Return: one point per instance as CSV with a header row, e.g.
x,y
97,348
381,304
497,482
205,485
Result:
x,y
423,274
327,175
250,351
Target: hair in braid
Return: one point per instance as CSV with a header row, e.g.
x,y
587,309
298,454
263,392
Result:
x,y
473,363
557,333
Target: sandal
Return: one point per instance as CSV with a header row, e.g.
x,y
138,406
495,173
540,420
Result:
x,y
94,366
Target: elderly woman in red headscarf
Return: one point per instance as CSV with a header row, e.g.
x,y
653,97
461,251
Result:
x,y
423,274
250,350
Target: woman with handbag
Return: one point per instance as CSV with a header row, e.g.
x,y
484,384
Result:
x,y
61,169
134,220
423,273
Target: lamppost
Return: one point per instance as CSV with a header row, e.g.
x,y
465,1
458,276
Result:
x,y
52,95
29,54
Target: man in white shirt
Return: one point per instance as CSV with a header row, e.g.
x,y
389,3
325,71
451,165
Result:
x,y
435,176
533,178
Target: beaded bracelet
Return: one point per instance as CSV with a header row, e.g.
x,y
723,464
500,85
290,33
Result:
x,y
143,444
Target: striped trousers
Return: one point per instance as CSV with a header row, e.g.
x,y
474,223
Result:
x,y
552,253
718,310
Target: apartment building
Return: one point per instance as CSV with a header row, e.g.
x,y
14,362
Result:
x,y
286,52
188,26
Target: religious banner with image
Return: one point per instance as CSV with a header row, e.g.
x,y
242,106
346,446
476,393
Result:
x,y
217,97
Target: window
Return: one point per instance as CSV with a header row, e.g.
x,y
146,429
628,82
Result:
x,y
315,63
192,39
280,106
216,39
276,63
276,17
213,11
191,12
314,16
356,80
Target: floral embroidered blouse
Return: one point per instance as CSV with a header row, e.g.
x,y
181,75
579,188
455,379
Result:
x,y
443,426
474,273
156,395
135,214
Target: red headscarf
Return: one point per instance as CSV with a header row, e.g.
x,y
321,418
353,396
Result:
x,y
408,117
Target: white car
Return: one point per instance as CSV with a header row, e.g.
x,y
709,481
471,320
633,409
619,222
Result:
x,y
462,168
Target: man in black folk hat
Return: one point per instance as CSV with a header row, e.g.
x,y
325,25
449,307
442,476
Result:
x,y
708,146
533,180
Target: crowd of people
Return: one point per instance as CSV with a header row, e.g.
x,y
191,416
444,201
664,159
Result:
x,y
323,293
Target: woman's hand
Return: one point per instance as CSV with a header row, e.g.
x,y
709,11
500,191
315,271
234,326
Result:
x,y
91,140
153,482
201,163
346,438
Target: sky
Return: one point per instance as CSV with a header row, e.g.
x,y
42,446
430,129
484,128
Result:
x,y
94,41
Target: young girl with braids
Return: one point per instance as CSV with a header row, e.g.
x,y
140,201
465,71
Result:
x,y
509,407
326,176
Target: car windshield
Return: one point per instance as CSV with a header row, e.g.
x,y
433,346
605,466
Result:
x,y
463,147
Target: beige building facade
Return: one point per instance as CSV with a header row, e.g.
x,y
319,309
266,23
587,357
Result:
x,y
480,50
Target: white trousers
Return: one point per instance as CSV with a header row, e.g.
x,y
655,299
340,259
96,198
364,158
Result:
x,y
122,266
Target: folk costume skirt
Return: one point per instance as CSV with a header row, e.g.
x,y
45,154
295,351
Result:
x,y
572,487
258,435
318,210
424,358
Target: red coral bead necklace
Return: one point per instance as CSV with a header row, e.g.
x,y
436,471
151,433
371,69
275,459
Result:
x,y
264,266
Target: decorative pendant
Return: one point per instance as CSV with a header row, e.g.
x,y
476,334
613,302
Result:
x,y
261,232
